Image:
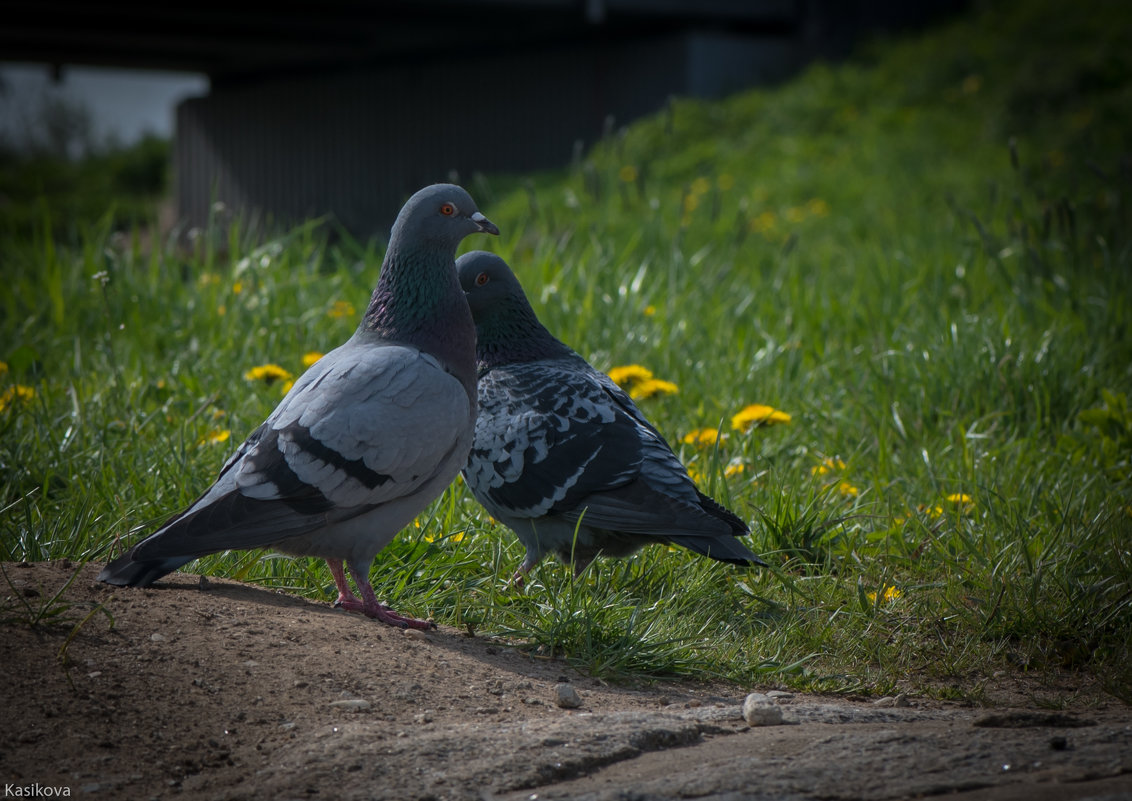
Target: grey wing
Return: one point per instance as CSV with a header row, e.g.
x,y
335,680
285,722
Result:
x,y
362,427
660,467
548,436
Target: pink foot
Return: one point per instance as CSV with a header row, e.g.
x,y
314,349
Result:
x,y
384,614
368,604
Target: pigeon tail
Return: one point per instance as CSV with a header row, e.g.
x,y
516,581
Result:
x,y
722,549
125,571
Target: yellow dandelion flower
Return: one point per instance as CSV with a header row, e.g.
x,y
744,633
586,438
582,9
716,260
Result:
x,y
221,309
700,186
3,368
828,464
218,413
237,287
342,308
629,374
627,174
651,387
694,474
930,511
267,373
764,223
283,390
216,437
702,437
691,201
758,414
650,310
310,358
734,469
17,393
456,536
795,214
817,207
725,181
207,279
847,490
888,595
961,498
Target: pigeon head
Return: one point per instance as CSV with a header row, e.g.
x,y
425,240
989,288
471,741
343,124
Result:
x,y
507,328
417,282
489,284
418,299
440,215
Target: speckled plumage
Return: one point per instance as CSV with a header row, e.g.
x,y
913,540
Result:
x,y
562,455
365,439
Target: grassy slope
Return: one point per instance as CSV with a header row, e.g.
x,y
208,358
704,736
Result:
x,y
862,248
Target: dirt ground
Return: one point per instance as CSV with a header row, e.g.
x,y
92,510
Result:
x,y
231,691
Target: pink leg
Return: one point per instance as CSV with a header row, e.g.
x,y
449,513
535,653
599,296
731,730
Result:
x,y
345,596
369,605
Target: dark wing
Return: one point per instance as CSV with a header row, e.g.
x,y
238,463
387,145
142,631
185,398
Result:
x,y
548,436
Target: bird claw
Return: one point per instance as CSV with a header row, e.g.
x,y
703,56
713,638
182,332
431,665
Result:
x,y
383,613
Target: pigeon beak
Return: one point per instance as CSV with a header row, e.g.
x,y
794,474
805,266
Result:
x,y
484,224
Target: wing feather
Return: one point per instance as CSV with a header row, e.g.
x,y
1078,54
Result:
x,y
340,444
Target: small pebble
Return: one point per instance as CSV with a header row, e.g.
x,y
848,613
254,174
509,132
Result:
x,y
415,634
567,697
352,705
759,710
157,638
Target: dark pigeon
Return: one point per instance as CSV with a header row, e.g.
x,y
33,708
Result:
x,y
562,455
365,439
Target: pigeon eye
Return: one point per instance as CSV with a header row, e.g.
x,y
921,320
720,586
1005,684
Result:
x,y
447,209
482,279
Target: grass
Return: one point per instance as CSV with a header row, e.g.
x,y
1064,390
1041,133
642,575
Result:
x,y
922,255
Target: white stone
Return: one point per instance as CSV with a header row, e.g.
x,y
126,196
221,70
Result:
x,y
352,705
758,710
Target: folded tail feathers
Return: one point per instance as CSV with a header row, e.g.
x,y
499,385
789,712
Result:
x,y
126,571
722,549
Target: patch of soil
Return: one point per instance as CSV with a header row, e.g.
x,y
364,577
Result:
x,y
234,691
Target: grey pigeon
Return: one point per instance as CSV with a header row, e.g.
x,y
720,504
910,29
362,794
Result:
x,y
365,439
562,455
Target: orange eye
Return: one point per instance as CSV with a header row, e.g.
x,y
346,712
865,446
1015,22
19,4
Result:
x,y
447,209
482,279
